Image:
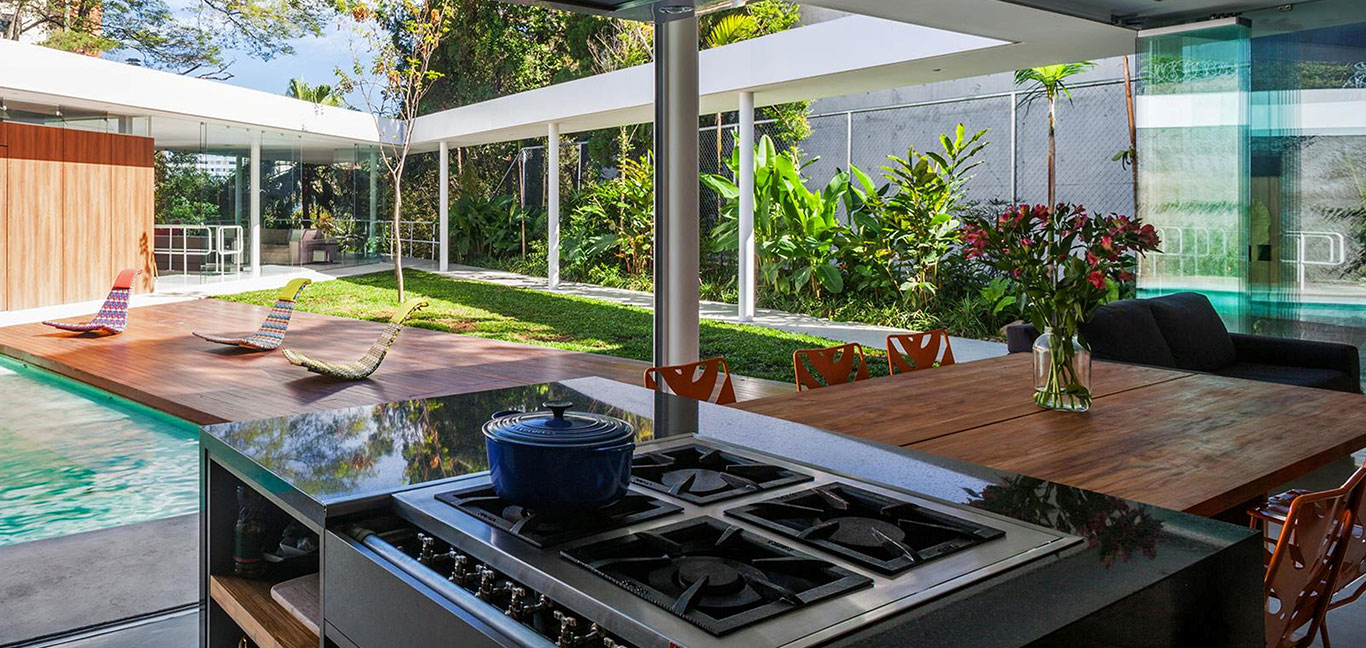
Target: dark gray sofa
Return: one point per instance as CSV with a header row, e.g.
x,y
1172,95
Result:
x,y
1183,331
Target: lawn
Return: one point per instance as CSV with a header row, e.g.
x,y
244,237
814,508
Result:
x,y
546,319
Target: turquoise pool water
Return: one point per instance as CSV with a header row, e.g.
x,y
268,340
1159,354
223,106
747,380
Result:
x,y
74,458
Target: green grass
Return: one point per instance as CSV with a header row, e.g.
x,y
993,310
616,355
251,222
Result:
x,y
533,317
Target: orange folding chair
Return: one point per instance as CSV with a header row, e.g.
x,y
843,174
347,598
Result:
x,y
915,351
837,365
708,380
1303,570
1351,564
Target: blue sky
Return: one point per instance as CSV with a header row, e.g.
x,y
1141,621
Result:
x,y
313,61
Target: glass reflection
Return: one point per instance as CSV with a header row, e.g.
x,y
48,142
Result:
x,y
1116,527
369,449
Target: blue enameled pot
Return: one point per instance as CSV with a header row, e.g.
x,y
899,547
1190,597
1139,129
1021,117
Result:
x,y
557,459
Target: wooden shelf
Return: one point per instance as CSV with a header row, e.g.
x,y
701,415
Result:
x,y
264,621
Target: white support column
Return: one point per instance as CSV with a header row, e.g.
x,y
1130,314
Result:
x,y
444,208
745,143
373,232
553,203
254,215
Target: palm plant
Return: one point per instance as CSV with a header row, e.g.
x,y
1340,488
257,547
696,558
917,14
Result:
x,y
1050,81
728,30
319,94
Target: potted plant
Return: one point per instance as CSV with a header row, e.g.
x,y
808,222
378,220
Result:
x,y
1066,263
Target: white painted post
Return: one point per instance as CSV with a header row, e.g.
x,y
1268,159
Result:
x,y
745,142
444,208
553,203
254,216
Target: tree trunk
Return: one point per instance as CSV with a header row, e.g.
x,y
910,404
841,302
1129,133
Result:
x,y
1052,153
397,236
1133,129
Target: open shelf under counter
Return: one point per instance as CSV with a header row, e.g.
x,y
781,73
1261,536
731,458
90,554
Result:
x,y
267,623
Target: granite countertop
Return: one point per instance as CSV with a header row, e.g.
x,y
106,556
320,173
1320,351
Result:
x,y
335,461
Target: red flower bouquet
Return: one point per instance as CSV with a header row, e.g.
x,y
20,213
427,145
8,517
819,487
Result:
x,y
1066,262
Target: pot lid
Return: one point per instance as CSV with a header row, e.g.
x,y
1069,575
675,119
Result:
x,y
559,427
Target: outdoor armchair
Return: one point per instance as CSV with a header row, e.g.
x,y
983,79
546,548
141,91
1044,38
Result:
x,y
113,315
272,331
361,369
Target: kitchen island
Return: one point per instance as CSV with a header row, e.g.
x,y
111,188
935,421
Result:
x,y
410,555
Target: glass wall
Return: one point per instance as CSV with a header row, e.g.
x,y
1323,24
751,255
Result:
x,y
1252,149
315,201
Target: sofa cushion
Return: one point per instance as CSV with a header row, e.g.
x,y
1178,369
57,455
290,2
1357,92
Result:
x,y
1197,337
1125,331
1300,376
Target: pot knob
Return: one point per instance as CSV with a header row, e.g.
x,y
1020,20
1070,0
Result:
x,y
558,408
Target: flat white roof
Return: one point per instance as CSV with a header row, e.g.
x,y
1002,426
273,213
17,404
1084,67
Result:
x,y
854,54
37,74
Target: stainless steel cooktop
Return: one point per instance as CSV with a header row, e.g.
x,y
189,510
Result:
x,y
862,581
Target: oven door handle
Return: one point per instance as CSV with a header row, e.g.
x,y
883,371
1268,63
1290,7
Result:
x,y
476,607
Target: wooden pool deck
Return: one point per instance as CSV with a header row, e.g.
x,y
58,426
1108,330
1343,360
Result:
x,y
157,362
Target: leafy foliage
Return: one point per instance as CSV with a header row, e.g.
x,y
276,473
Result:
x,y
614,222
188,40
796,230
900,238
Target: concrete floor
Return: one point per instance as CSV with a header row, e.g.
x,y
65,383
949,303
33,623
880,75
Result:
x,y
180,630
87,579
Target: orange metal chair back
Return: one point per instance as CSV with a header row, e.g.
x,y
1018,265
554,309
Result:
x,y
1353,563
915,351
1303,567
818,368
708,380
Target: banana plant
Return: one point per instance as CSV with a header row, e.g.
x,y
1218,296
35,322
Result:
x,y
797,231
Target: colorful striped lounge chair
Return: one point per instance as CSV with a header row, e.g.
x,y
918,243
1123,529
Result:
x,y
367,365
113,315
272,332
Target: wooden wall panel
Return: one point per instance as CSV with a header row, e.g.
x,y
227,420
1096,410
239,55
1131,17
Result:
x,y
34,247
4,219
88,213
132,182
79,209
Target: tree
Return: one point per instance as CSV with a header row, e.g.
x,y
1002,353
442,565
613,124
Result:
x,y
1050,81
319,94
401,36
190,41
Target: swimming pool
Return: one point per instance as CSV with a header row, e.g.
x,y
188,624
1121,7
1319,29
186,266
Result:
x,y
74,458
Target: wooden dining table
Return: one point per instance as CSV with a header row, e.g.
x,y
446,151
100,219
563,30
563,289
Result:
x,y
1184,441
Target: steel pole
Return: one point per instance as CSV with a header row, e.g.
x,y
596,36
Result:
x,y
745,143
676,248
254,202
553,204
444,208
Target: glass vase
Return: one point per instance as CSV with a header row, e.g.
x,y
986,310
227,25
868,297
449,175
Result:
x,y
1062,372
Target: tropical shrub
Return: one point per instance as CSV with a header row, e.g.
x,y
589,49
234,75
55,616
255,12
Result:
x,y
905,230
797,231
492,227
613,223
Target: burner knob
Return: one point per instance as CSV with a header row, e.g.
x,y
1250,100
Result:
x,y
567,625
428,543
608,642
515,596
459,564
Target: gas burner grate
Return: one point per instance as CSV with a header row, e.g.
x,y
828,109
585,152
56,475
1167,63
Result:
x,y
874,530
549,528
702,475
714,575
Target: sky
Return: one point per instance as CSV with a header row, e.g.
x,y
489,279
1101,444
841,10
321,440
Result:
x,y
314,60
